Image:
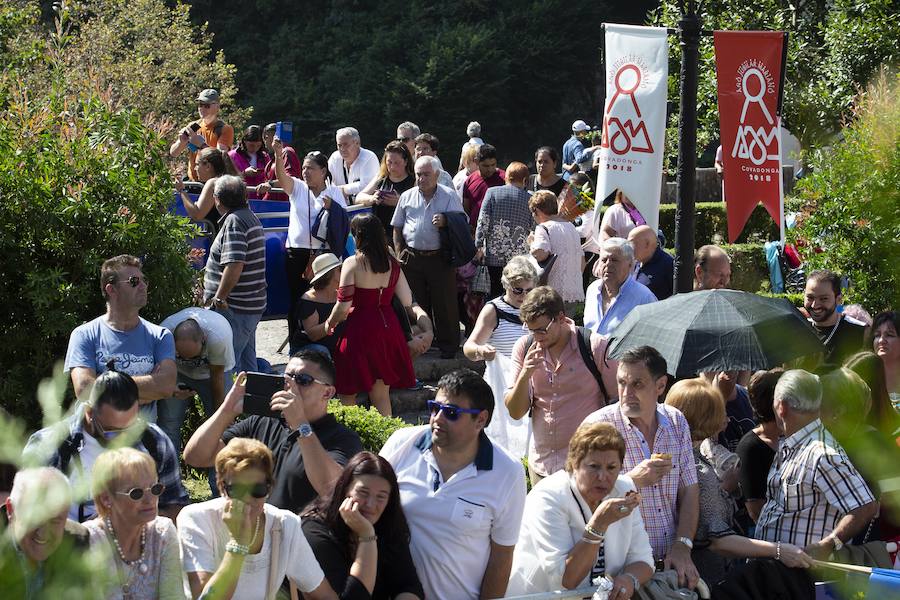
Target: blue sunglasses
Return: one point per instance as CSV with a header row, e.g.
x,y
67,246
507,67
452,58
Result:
x,y
451,411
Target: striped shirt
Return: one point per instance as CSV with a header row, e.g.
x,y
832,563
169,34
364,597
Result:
x,y
240,240
507,333
811,486
659,502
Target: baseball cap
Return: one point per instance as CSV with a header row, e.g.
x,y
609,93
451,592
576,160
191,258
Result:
x,y
208,95
579,125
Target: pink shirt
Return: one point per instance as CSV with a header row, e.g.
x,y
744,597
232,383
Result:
x,y
659,503
562,393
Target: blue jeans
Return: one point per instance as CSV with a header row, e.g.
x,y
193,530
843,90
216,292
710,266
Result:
x,y
243,329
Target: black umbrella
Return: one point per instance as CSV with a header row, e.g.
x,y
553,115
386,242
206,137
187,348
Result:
x,y
717,330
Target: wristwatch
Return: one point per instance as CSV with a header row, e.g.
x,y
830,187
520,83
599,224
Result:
x,y
686,541
304,429
838,544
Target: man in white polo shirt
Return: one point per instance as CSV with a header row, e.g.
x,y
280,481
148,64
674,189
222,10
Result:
x,y
463,496
352,167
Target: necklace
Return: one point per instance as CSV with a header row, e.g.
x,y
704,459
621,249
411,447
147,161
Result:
x,y
142,566
255,531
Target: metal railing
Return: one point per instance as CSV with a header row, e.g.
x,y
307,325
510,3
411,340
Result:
x,y
578,593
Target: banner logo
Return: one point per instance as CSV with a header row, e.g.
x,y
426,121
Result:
x,y
628,136
760,144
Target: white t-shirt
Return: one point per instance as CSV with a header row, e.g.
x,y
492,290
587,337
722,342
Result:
x,y
451,527
305,208
363,170
204,535
218,349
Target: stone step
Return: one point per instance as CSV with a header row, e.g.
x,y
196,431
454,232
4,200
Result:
x,y
431,367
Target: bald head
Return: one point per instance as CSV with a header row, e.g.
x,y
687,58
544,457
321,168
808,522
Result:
x,y
644,241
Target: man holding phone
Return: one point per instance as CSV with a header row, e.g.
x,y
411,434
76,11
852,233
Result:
x,y
310,447
208,130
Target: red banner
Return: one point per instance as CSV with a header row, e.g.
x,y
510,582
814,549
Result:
x,y
750,74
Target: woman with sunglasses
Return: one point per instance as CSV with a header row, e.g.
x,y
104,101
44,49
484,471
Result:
x,y
360,536
238,546
143,546
395,176
496,331
308,196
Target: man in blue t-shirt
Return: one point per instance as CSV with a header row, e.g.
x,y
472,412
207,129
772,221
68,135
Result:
x,y
143,350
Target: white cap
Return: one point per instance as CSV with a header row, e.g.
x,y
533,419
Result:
x,y
579,125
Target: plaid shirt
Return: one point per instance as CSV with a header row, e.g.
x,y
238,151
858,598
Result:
x,y
50,445
811,486
659,503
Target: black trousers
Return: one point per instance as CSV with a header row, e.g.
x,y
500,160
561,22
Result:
x,y
433,284
294,265
496,285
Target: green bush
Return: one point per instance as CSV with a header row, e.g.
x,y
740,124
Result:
x,y
373,429
749,269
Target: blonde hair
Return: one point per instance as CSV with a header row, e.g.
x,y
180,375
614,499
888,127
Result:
x,y
702,405
593,437
113,468
545,201
241,454
518,269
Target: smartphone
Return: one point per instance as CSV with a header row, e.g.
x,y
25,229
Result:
x,y
195,126
259,391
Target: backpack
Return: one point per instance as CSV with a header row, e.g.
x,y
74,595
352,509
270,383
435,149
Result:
x,y
584,348
502,314
217,130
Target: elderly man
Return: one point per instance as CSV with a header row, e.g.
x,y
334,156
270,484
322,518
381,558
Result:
x,y
352,167
204,353
450,468
39,548
656,267
234,284
208,130
110,413
841,335
657,440
419,214
407,132
427,145
122,338
310,447
712,268
478,182
610,298
504,224
816,499
560,377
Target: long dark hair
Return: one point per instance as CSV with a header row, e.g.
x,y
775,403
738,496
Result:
x,y
870,368
368,232
322,161
218,160
253,134
391,527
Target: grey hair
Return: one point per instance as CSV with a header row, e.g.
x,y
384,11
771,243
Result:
x,y
519,268
617,243
231,191
351,132
433,161
38,494
473,129
411,127
799,389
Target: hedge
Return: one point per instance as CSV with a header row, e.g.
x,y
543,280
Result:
x,y
749,269
373,429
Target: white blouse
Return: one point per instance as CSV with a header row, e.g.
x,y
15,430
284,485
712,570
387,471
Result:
x,y
553,522
305,207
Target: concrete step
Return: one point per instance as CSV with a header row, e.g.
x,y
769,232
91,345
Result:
x,y
431,367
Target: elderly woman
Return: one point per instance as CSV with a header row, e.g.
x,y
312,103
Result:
x,y
620,218
546,160
717,539
239,547
496,331
395,176
143,547
360,536
583,523
212,163
250,158
556,236
758,446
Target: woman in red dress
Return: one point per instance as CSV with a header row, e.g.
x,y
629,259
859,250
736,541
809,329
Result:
x,y
371,354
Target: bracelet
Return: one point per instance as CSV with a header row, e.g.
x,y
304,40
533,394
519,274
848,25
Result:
x,y
634,579
594,532
370,538
778,551
235,548
592,541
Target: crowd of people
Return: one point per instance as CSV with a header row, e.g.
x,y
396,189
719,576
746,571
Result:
x,y
636,480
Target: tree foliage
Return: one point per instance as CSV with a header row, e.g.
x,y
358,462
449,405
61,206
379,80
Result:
x,y
851,221
834,48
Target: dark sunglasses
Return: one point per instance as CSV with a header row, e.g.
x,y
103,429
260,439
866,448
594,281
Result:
x,y
304,379
108,435
135,281
203,105
137,493
242,490
518,291
451,411
314,154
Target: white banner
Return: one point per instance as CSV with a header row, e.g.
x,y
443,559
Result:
x,y
634,118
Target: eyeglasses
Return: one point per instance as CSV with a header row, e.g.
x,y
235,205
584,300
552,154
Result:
x,y
304,379
203,105
518,291
539,330
135,281
137,493
314,154
108,435
258,490
451,411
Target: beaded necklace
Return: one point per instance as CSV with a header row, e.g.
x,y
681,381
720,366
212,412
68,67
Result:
x,y
142,567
